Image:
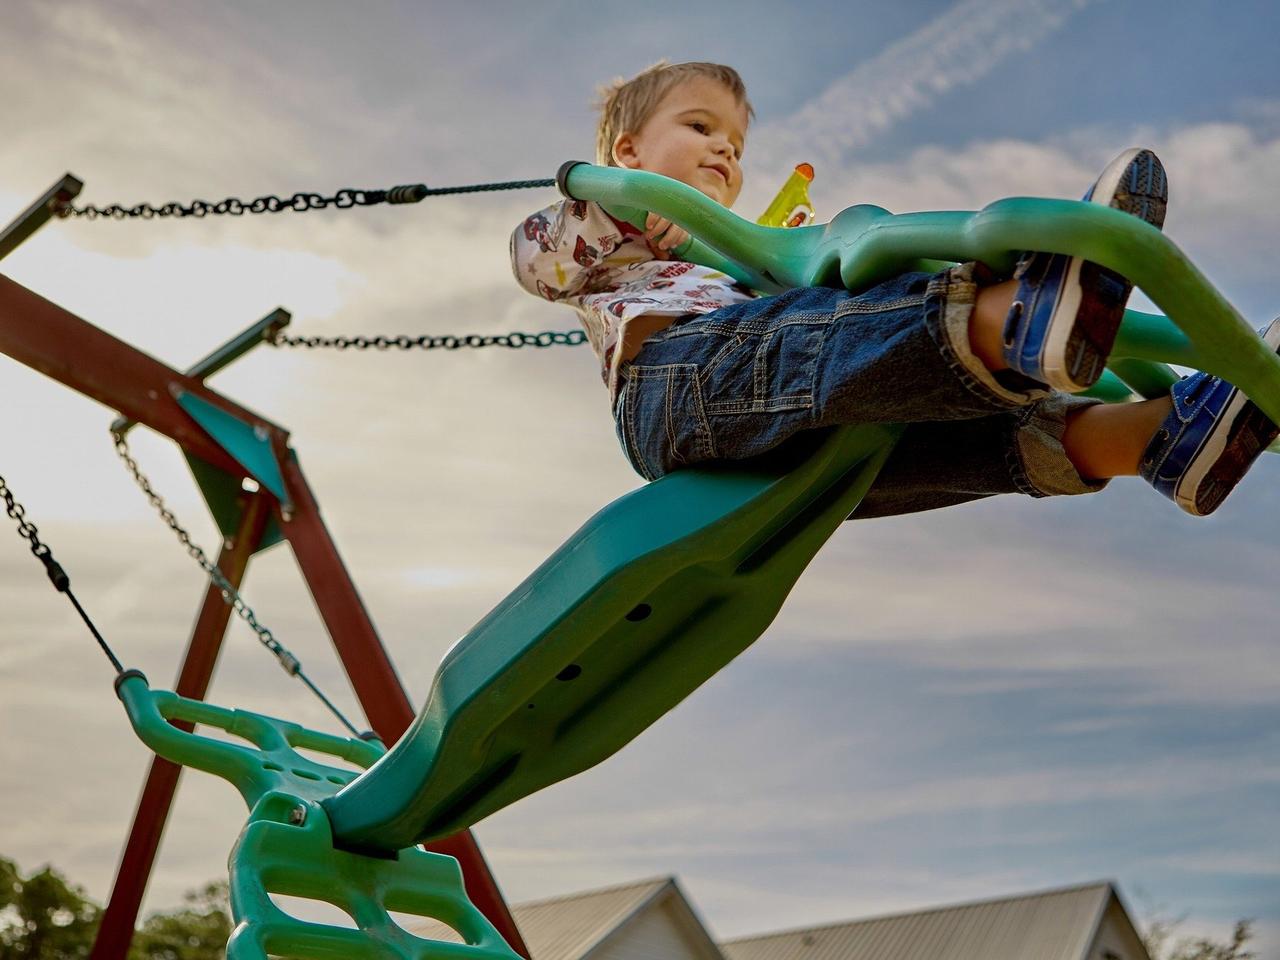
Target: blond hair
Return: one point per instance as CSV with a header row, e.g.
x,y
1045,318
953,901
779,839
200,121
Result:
x,y
625,105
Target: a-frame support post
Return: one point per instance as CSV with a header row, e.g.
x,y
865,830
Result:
x,y
60,345
121,915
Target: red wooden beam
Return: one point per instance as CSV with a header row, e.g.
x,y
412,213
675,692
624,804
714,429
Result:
x,y
45,337
372,675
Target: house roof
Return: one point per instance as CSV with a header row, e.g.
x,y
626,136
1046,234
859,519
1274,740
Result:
x,y
1051,925
1060,924
567,927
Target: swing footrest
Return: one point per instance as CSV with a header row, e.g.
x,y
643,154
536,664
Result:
x,y
287,850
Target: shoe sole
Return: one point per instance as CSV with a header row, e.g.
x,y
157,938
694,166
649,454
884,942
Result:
x,y
1134,183
1242,433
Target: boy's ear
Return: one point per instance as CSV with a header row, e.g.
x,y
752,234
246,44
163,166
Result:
x,y
624,151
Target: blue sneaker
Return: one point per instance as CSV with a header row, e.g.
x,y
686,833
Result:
x,y
1209,440
1064,317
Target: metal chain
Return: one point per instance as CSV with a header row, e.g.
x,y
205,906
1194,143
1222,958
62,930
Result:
x,y
512,341
300,202
57,576
230,595
26,529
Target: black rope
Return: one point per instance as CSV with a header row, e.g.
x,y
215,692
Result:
x,y
336,712
299,202
94,630
482,187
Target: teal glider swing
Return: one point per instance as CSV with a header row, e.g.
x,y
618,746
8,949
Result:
x,y
646,601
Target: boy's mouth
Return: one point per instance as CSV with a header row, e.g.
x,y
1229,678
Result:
x,y
719,168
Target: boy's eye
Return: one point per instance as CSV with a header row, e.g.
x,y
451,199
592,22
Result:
x,y
699,126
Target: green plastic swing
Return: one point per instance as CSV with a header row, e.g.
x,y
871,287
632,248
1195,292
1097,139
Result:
x,y
660,589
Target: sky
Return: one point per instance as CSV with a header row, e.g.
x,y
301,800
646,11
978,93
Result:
x,y
995,698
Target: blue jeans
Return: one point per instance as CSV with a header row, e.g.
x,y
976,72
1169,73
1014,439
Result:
x,y
738,382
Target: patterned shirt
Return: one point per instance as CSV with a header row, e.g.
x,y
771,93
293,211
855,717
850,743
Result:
x,y
575,253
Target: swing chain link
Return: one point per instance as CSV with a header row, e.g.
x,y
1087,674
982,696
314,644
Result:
x,y
57,576
229,593
300,202
236,207
26,529
512,341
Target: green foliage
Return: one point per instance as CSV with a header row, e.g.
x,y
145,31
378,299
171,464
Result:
x,y
1161,945
43,917
199,931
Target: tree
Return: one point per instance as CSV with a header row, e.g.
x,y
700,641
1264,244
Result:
x,y
1161,945
44,917
199,931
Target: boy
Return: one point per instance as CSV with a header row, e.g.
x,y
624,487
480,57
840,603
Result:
x,y
981,370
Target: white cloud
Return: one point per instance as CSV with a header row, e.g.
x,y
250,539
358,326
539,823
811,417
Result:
x,y
951,50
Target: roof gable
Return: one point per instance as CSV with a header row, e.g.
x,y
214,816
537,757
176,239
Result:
x,y
568,927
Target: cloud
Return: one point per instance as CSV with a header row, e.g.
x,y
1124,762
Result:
x,y
951,51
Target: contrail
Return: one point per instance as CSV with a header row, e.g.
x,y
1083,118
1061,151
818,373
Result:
x,y
953,50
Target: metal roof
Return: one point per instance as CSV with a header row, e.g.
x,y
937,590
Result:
x,y
567,927
1053,925
1060,924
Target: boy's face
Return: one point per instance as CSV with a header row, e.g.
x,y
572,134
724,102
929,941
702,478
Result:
x,y
695,135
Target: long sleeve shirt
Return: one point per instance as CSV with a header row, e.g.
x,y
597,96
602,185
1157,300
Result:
x,y
573,252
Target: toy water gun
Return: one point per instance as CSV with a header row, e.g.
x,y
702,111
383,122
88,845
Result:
x,y
791,207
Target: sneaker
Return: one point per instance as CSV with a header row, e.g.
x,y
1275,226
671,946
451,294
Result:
x,y
1065,314
1209,440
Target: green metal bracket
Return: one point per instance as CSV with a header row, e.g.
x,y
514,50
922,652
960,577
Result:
x,y
222,490
250,445
287,849
225,497
235,348
39,213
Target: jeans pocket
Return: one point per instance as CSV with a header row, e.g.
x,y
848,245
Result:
x,y
767,372
662,420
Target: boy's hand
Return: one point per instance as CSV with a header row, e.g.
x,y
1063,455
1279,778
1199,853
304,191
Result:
x,y
663,236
